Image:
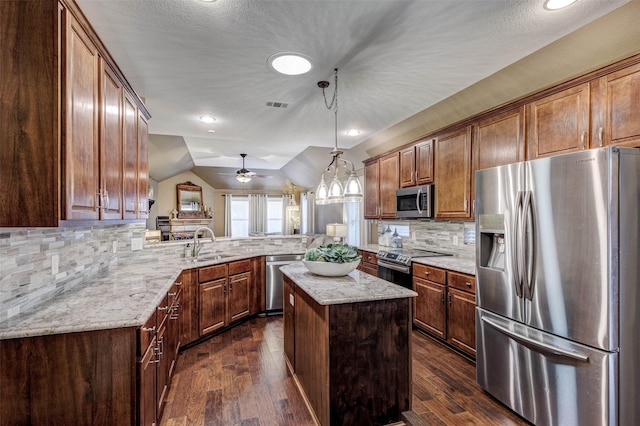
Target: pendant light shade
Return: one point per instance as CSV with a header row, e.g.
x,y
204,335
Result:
x,y
336,192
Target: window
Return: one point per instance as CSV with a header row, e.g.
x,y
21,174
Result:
x,y
275,218
352,212
239,216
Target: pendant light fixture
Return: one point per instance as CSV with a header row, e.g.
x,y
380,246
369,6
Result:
x,y
336,192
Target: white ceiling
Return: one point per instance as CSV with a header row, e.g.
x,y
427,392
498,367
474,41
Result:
x,y
189,58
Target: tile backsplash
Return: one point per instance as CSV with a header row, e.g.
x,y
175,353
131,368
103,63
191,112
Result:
x,y
450,237
26,273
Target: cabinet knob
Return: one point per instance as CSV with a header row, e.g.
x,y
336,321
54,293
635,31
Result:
x,y
178,283
468,284
427,272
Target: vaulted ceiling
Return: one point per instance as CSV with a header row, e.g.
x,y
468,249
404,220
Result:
x,y
396,58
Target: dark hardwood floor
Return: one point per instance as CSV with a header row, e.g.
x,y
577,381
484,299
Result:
x,y
239,378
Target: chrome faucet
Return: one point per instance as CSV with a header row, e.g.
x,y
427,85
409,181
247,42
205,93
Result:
x,y
197,245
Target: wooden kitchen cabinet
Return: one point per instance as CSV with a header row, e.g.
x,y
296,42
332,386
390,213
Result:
x,y
445,306
258,282
136,163
289,312
429,306
368,263
382,178
60,156
499,140
616,108
226,294
453,175
559,123
416,164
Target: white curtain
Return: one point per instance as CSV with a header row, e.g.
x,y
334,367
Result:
x,y
227,214
286,216
257,213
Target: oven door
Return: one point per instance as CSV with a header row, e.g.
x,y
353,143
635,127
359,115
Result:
x,y
397,274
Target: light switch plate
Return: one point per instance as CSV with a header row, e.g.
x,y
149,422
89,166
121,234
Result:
x,y
136,244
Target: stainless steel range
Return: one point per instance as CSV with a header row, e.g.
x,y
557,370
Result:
x,y
394,265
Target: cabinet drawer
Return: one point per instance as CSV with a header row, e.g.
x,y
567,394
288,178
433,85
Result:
x,y
462,282
146,333
240,266
429,273
369,257
210,273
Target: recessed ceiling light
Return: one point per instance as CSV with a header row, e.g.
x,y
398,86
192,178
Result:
x,y
211,131
290,63
207,118
557,4
353,132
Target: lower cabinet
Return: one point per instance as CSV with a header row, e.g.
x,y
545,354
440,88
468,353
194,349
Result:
x,y
445,306
369,262
226,294
289,311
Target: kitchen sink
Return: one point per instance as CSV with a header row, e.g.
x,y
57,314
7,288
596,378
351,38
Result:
x,y
211,257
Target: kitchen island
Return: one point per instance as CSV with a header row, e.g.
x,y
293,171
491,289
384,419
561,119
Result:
x,y
347,345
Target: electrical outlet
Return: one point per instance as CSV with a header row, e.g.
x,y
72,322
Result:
x,y
455,240
136,244
115,247
413,235
291,299
55,264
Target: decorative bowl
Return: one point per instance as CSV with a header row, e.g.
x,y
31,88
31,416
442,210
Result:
x,y
328,269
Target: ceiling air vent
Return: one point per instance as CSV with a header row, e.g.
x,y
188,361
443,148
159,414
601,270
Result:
x,y
277,104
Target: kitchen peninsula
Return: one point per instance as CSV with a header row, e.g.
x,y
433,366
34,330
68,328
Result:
x,y
347,344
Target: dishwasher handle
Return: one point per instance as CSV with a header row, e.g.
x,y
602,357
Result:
x,y
282,262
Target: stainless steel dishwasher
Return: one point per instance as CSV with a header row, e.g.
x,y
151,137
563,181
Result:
x,y
273,279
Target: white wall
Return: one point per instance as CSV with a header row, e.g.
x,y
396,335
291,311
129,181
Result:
x,y
166,194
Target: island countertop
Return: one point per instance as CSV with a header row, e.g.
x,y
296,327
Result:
x,y
355,287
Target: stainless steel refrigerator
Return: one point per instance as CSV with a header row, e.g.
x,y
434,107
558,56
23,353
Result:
x,y
558,287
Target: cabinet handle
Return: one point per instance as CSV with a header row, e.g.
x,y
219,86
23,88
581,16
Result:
x,y
449,298
600,131
224,289
172,294
583,138
230,287
427,272
107,202
159,349
442,297
178,283
150,330
473,206
163,308
465,205
468,284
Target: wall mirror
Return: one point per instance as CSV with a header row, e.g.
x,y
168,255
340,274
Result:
x,y
189,200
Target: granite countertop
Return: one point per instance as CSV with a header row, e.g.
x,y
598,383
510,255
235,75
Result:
x,y
126,296
355,287
452,263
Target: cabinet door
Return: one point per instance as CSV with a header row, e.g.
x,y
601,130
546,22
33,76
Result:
x,y
239,300
408,167
81,147
143,167
389,183
424,162
289,319
111,146
499,140
559,123
372,190
212,305
462,322
616,108
130,160
147,386
429,307
256,292
189,306
453,175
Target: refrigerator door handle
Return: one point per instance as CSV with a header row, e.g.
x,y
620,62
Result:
x,y
516,251
529,245
545,347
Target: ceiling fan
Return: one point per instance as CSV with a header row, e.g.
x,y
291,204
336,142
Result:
x,y
244,175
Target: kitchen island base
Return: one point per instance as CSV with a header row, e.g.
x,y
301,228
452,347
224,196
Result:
x,y
351,361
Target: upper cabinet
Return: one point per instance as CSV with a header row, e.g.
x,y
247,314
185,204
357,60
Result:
x,y
453,175
559,123
381,180
616,108
64,155
499,140
416,164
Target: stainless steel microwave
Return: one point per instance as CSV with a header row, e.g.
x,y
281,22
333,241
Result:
x,y
415,202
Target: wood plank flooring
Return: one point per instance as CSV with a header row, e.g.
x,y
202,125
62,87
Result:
x,y
239,378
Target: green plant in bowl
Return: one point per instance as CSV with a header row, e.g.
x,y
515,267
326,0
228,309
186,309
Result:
x,y
333,253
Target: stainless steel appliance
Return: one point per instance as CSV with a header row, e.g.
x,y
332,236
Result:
x,y
395,265
273,279
557,294
415,202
